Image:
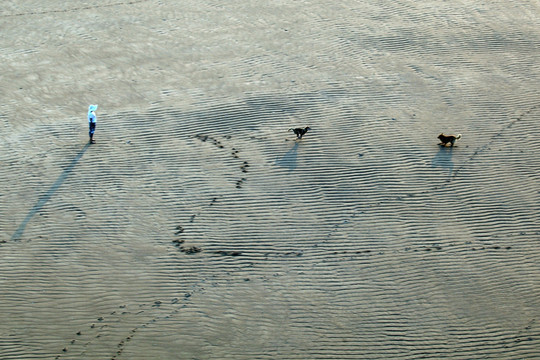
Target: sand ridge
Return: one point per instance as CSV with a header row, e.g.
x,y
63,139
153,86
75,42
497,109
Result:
x,y
198,227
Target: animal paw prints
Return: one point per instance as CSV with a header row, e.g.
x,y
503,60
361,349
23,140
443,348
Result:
x,y
234,153
244,167
179,243
527,334
228,253
142,316
190,250
96,330
495,247
240,182
204,138
179,230
418,249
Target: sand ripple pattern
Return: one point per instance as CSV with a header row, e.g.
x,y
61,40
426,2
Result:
x,y
208,232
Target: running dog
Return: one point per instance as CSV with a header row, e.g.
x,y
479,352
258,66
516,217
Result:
x,y
445,139
299,132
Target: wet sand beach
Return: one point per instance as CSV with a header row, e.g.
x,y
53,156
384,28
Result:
x,y
197,227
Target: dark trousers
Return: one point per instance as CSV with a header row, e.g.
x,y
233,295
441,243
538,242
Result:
x,y
92,127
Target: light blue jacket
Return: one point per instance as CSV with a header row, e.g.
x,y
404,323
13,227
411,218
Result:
x,y
91,113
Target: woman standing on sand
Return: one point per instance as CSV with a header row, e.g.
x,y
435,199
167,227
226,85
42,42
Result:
x,y
92,122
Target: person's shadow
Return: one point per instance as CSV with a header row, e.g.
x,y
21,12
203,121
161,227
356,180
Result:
x,y
443,159
289,159
49,193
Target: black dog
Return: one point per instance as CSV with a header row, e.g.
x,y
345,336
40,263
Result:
x,y
448,139
299,132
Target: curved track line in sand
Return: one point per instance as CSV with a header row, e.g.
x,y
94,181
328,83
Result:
x,y
500,133
221,204
478,151
168,309
99,327
320,253
94,331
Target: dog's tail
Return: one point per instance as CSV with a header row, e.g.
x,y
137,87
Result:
x,y
290,129
458,136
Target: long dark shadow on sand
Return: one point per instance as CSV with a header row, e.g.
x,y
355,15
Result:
x,y
48,194
443,159
289,159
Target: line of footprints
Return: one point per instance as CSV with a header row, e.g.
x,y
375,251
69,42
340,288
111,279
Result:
x,y
234,153
153,312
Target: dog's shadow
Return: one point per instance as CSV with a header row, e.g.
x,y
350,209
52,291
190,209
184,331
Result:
x,y
289,159
443,159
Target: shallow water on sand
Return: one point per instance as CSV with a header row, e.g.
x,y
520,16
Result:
x,y
198,228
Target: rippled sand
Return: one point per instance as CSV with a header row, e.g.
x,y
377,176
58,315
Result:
x,y
198,228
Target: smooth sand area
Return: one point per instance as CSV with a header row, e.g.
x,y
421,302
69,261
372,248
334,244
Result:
x,y
198,228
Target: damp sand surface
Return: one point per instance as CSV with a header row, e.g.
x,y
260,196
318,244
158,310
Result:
x,y
198,228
